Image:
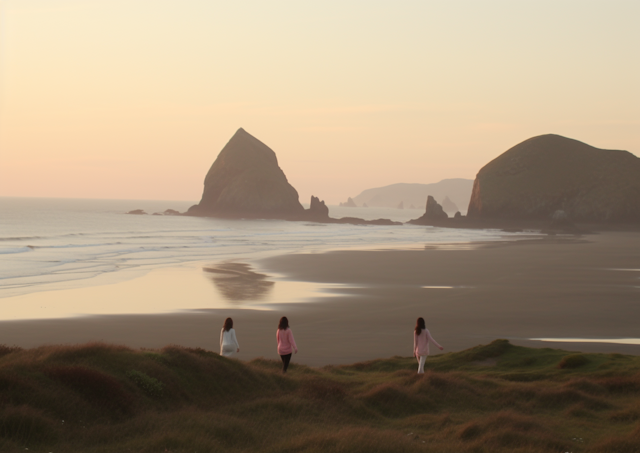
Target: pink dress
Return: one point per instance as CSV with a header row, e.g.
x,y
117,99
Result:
x,y
421,343
286,343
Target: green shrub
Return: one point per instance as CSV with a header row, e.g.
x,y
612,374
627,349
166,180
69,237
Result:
x,y
151,386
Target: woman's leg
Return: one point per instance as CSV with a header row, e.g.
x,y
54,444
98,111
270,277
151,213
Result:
x,y
285,362
421,361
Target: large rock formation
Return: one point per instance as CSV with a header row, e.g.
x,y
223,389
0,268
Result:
x,y
545,174
245,181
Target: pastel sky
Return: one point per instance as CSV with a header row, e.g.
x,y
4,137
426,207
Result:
x,y
135,98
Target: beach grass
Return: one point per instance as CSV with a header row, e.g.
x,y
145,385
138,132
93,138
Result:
x,y
493,398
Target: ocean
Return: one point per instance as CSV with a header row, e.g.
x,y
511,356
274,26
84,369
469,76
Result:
x,y
51,244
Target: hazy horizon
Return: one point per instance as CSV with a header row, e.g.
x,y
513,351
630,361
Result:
x,y
134,99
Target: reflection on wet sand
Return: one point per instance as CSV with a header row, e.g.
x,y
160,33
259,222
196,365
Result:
x,y
238,283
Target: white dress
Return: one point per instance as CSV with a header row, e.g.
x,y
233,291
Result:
x,y
228,342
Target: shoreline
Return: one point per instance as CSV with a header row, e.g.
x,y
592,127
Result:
x,y
553,287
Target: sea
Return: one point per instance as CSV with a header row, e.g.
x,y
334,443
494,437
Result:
x,y
50,244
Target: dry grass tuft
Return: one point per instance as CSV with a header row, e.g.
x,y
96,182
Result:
x,y
627,444
573,361
97,387
25,424
5,350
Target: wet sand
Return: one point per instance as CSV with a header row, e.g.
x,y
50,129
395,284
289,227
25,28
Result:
x,y
556,287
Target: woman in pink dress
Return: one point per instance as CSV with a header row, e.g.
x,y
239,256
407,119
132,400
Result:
x,y
286,343
421,339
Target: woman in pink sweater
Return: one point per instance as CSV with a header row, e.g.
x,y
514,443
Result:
x,y
421,339
286,343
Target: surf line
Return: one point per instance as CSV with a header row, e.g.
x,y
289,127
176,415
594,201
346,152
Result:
x,y
590,340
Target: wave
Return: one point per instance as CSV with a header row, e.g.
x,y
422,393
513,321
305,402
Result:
x,y
14,250
21,238
68,246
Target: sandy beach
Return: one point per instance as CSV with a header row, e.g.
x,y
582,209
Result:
x,y
469,294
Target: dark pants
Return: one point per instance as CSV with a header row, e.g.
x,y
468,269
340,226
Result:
x,y
285,362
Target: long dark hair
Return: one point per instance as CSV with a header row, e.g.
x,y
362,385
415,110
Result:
x,y
228,324
283,324
420,326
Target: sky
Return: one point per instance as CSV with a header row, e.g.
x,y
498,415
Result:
x,y
134,99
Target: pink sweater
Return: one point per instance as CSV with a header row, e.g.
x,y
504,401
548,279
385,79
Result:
x,y
286,343
421,343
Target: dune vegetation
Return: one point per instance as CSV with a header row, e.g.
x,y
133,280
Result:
x,y
493,398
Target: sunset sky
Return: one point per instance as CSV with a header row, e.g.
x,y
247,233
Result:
x,y
135,98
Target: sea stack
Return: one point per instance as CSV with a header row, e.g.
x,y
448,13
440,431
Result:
x,y
550,173
349,203
245,181
433,213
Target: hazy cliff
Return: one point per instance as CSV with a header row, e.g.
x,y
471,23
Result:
x,y
457,190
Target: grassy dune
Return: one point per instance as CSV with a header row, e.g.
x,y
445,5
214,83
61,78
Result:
x,y
493,398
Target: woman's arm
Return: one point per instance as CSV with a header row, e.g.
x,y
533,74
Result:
x,y
432,339
221,338
415,344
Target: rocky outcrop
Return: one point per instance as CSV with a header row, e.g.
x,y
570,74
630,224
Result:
x,y
550,173
317,211
349,203
434,210
449,206
357,221
245,181
433,213
137,212
401,205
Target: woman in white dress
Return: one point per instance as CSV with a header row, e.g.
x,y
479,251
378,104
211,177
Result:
x,y
421,339
228,341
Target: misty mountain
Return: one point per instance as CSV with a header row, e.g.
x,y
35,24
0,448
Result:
x,y
458,191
